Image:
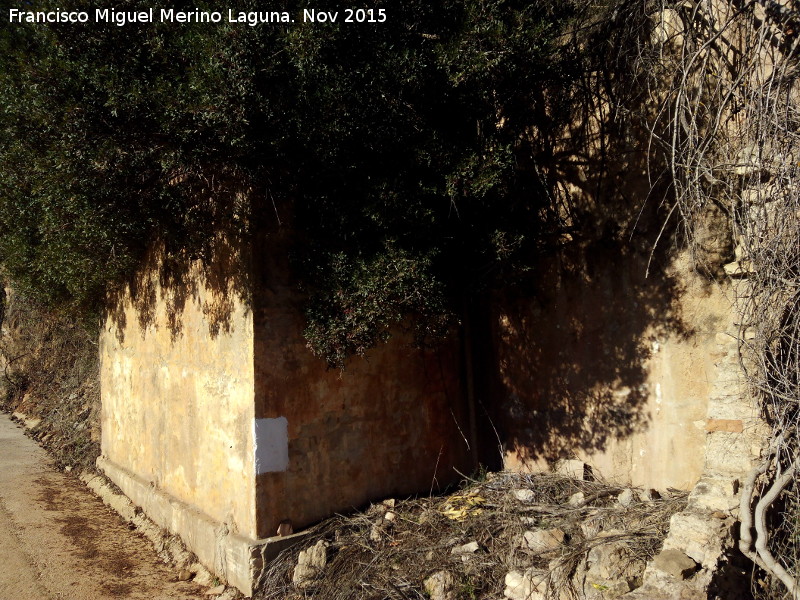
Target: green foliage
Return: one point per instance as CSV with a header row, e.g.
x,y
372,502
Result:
x,y
370,295
110,137
413,196
398,146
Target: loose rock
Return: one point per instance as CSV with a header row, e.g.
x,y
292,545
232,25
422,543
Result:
x,y
524,495
440,586
528,585
675,563
311,563
202,576
625,498
285,528
469,548
577,499
545,540
648,495
591,526
376,533
612,570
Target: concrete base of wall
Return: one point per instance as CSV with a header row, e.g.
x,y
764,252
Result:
x,y
234,558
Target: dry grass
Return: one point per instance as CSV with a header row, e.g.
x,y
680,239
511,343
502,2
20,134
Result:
x,y
372,558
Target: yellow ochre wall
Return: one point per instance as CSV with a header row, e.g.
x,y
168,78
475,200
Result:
x,y
178,400
613,368
216,401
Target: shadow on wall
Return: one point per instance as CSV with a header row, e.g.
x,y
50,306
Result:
x,y
570,352
386,426
572,360
216,275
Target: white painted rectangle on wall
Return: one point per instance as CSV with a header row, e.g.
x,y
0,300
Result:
x,y
271,445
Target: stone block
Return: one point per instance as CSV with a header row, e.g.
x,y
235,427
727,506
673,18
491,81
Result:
x,y
726,385
730,407
727,454
698,536
729,425
612,571
613,561
715,494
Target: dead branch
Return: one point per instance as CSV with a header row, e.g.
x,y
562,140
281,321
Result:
x,y
768,561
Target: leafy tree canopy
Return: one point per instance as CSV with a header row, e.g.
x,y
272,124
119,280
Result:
x,y
397,144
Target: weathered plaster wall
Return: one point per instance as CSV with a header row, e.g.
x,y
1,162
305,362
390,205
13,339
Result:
x,y
386,425
609,351
612,367
178,399
221,405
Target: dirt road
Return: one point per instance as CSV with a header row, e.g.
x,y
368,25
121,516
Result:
x,y
60,542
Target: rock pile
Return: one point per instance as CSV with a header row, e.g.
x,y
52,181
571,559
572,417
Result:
x,y
520,537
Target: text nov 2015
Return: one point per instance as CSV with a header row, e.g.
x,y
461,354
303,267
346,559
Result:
x,y
252,18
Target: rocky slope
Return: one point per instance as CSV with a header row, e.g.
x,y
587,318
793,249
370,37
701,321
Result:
x,y
522,537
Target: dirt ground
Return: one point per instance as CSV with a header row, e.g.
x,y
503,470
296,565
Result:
x,y
60,542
